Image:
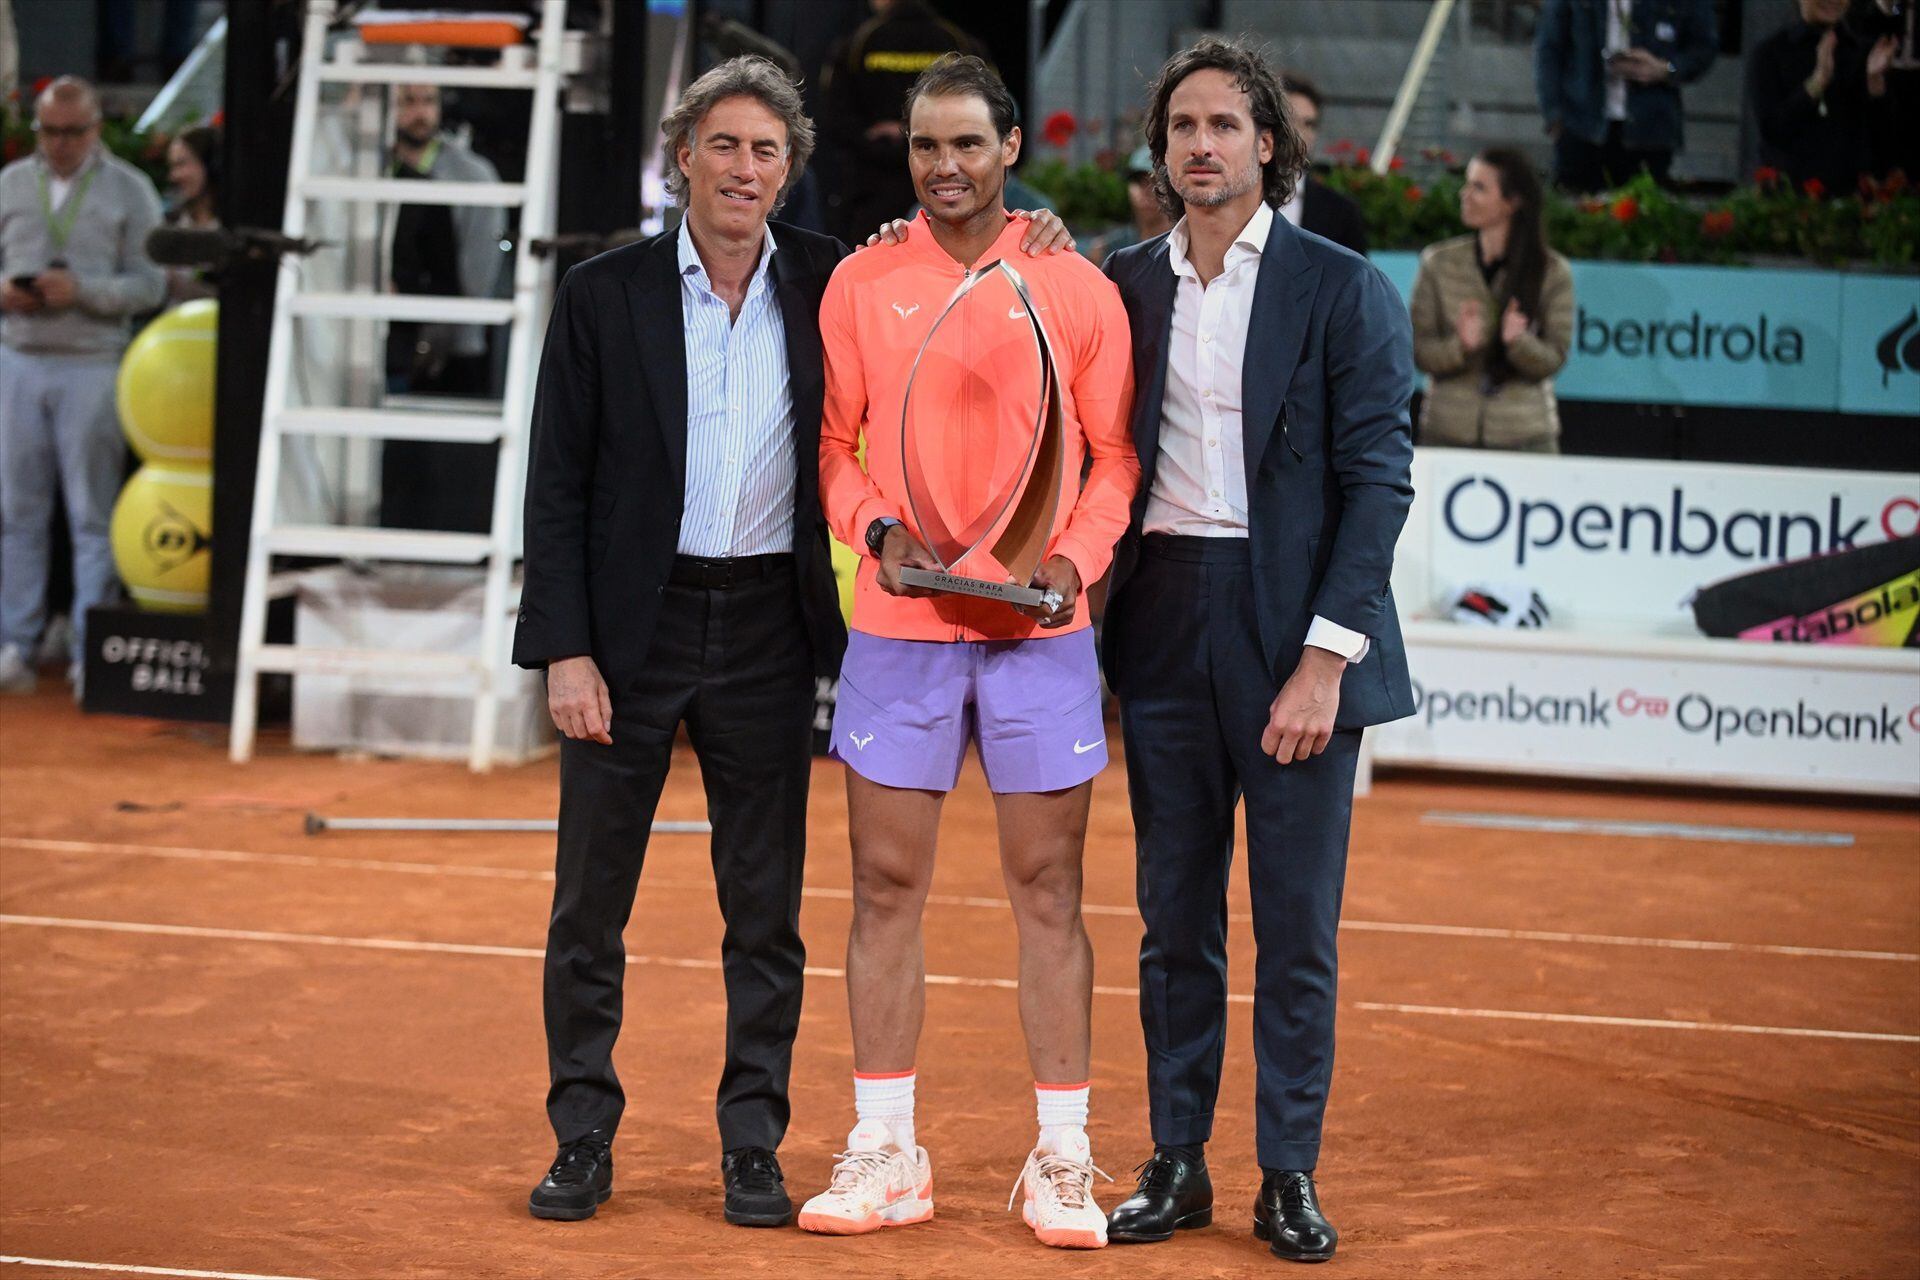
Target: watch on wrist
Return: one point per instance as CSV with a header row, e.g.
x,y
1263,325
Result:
x,y
877,533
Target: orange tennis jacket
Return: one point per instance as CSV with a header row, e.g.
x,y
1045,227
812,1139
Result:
x,y
974,404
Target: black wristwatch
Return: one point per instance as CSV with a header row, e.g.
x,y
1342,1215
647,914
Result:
x,y
877,534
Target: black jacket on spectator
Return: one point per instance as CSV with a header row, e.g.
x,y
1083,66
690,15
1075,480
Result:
x,y
1835,146
1326,212
865,80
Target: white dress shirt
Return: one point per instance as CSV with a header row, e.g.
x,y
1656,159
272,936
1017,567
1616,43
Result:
x,y
1619,40
740,465
1200,475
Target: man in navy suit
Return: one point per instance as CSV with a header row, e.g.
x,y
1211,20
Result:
x,y
1250,629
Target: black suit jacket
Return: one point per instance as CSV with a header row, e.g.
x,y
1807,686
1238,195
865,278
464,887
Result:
x,y
1327,213
1328,453
607,462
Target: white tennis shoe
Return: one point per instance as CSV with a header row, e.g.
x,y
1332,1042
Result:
x,y
875,1184
1059,1203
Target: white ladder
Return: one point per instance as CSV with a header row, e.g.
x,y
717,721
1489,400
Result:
x,y
525,316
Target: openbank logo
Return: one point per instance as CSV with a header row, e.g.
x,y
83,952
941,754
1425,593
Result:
x,y
1480,509
1691,338
1692,713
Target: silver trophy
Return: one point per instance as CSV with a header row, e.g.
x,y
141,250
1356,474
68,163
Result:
x,y
964,485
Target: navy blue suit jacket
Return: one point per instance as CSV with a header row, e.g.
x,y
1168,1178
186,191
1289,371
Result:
x,y
1328,452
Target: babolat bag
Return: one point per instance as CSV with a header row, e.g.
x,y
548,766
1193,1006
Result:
x,y
1869,596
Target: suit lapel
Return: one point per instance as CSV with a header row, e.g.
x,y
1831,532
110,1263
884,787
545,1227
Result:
x,y
1157,291
800,323
1282,305
659,331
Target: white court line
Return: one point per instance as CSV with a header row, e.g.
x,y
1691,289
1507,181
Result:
x,y
1647,830
933,979
938,899
120,1268
1599,1020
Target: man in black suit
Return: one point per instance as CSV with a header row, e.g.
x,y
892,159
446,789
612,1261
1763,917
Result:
x,y
677,571
1315,206
1250,630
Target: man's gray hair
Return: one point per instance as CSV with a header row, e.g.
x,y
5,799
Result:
x,y
748,76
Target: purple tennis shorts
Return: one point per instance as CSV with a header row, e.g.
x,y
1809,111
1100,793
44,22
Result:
x,y
907,707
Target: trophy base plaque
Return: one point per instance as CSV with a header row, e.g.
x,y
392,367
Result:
x,y
1011,592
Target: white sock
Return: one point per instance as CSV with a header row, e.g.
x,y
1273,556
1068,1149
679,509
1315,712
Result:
x,y
1062,1111
887,1099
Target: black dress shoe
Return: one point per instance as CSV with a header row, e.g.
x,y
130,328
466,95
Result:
x,y
1287,1215
580,1181
756,1191
1174,1194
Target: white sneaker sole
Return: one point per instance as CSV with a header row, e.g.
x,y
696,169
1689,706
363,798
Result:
x,y
905,1212
1064,1237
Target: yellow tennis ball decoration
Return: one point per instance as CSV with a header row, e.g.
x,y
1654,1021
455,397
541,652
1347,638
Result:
x,y
162,535
165,389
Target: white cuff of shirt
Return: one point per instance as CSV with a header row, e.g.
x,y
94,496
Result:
x,y
1326,634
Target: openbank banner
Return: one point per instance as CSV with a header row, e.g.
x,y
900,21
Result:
x,y
1623,544
1735,336
1628,717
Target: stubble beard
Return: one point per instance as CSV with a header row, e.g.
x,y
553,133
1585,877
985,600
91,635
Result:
x,y
1227,193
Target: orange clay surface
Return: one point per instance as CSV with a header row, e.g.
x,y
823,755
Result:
x,y
284,1088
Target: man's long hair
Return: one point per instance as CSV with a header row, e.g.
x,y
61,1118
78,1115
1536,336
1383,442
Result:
x,y
1265,100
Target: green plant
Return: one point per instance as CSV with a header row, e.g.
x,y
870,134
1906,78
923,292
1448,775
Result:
x,y
1087,195
1879,225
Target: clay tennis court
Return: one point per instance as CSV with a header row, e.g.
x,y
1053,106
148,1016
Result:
x,y
233,1048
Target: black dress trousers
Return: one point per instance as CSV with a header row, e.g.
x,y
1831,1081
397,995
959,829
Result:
x,y
734,663
1195,694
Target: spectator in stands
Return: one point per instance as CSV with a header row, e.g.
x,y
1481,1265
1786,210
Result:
x,y
193,187
445,251
1608,75
1819,90
74,220
1493,316
1315,206
1148,220
863,138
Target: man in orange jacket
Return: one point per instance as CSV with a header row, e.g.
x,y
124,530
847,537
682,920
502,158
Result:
x,y
926,673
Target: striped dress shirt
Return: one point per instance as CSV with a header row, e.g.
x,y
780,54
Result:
x,y
740,464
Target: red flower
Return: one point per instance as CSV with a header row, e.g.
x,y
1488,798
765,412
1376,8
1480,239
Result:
x,y
1363,157
219,120
1814,188
1896,183
1415,195
40,85
1716,222
1341,147
1447,158
1396,164
1766,175
1625,209
1107,158
1060,128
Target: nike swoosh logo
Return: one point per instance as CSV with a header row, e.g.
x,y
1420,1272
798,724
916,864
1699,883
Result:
x,y
1082,750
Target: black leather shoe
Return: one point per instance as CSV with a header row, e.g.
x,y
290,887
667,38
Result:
x,y
1174,1194
1287,1216
580,1181
756,1191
